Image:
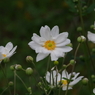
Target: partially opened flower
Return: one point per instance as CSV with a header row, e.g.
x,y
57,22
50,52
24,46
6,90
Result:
x,y
62,80
7,51
50,42
91,36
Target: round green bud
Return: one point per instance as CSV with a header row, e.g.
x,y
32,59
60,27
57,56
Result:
x,y
72,62
12,67
39,84
93,50
79,29
10,83
64,66
81,39
29,59
93,76
18,67
85,81
56,62
6,60
92,26
29,90
70,45
29,71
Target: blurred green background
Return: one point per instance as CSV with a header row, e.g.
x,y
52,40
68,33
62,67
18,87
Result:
x,y
19,19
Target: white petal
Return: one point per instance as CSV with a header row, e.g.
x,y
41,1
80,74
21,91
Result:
x,y
94,90
9,46
33,45
53,56
65,88
91,36
55,31
38,39
41,56
75,75
76,81
45,32
2,48
66,42
12,52
61,37
64,74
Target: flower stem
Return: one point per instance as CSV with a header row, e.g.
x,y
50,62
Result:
x,y
4,90
14,82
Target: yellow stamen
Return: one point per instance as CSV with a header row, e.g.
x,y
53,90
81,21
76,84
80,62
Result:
x,y
50,45
4,55
63,82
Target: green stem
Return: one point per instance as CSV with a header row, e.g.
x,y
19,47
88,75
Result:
x,y
14,82
4,90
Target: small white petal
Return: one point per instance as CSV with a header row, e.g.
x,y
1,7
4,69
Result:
x,y
91,36
55,31
65,88
76,81
64,74
41,56
45,32
66,42
53,56
9,46
12,52
61,37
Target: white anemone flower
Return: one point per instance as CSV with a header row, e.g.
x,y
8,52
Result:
x,y
50,42
7,51
94,90
62,80
91,36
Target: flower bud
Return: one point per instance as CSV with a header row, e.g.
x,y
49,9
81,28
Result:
x,y
92,26
39,84
12,67
85,81
29,71
18,67
72,62
81,39
79,29
93,50
70,45
10,83
29,59
81,57
29,90
93,78
56,62
6,60
64,66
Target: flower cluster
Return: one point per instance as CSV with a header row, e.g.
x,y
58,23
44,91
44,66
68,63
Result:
x,y
63,80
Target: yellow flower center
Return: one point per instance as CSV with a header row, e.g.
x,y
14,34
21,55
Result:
x,y
50,45
4,55
64,82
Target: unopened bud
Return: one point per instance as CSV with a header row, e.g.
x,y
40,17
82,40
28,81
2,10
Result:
x,y
29,71
93,50
11,83
81,57
79,29
93,78
72,62
85,81
29,90
29,59
81,39
6,60
70,45
56,62
18,67
64,66
12,67
39,84
92,26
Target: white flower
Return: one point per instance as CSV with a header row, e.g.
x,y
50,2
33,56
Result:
x,y
91,36
54,78
50,42
7,51
94,90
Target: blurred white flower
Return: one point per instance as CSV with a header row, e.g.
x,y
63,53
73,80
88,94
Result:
x,y
94,90
7,51
91,36
50,42
62,80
